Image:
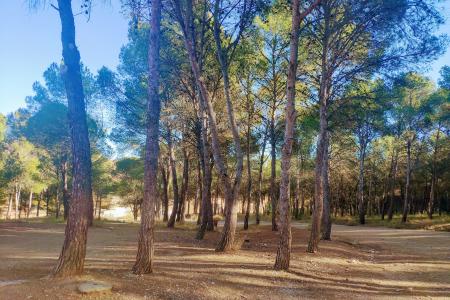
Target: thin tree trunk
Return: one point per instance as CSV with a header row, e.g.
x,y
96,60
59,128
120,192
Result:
x,y
184,187
99,207
17,198
229,229
71,259
273,173
408,178
176,199
144,256
284,247
362,204
8,212
165,182
38,208
392,187
30,204
260,199
430,209
65,192
249,169
322,143
326,217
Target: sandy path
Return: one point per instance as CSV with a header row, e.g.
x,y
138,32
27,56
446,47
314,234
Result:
x,y
360,263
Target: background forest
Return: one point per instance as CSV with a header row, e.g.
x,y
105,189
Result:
x,y
368,132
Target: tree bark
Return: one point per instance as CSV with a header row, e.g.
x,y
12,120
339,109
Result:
x,y
273,173
408,178
144,256
249,169
229,229
430,208
392,187
165,182
284,247
361,200
326,217
30,203
65,192
71,259
322,143
184,187
260,199
176,199
8,212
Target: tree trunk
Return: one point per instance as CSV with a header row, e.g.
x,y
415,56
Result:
x,y
273,173
361,201
408,178
392,187
144,256
229,229
17,200
99,207
260,199
8,212
326,217
38,208
231,192
165,182
322,143
430,209
65,192
30,204
71,259
173,168
206,221
284,247
249,169
184,187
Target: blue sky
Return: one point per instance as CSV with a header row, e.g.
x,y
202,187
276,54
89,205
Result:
x,y
30,41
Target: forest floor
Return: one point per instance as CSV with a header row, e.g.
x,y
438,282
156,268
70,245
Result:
x,y
415,221
359,263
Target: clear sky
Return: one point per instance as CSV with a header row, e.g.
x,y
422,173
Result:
x,y
30,41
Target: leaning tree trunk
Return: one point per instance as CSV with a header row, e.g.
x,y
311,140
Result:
x,y
71,259
144,256
229,229
176,199
227,239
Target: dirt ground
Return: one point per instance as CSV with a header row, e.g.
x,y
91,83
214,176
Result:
x,y
360,263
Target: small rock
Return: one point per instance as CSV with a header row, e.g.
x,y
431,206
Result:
x,y
94,287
